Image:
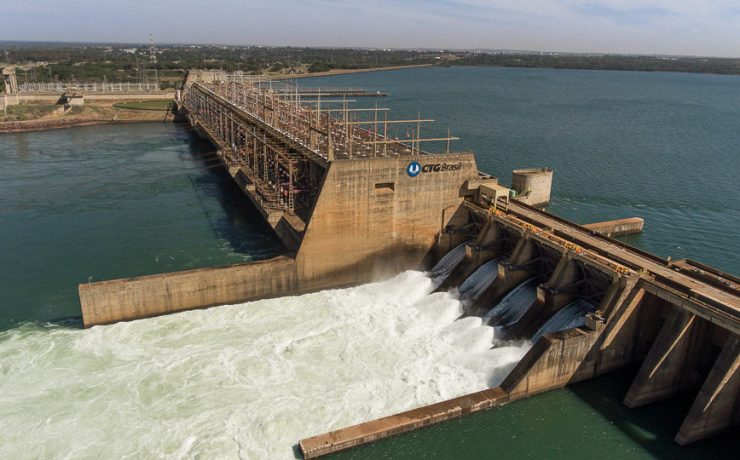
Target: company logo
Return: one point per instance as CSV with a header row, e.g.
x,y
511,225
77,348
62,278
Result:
x,y
414,168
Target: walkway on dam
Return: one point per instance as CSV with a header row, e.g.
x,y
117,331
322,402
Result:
x,y
724,305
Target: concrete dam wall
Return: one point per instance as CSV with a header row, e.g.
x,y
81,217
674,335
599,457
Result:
x,y
108,302
353,205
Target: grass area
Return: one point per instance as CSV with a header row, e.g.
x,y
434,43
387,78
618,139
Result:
x,y
76,110
27,112
158,104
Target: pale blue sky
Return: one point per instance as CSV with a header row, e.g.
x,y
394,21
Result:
x,y
708,27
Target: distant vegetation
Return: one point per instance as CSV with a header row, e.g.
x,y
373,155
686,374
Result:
x,y
606,62
43,62
24,112
319,67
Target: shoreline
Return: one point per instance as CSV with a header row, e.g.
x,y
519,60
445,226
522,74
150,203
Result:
x,y
146,115
330,73
10,127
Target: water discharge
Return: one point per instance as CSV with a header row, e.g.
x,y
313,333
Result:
x,y
512,307
446,264
570,316
245,380
480,280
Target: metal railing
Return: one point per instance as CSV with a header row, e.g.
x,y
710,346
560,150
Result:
x,y
60,87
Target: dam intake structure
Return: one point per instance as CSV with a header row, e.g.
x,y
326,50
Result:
x,y
352,203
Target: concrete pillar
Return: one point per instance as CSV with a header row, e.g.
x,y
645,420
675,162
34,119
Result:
x,y
618,343
557,292
549,298
551,363
663,372
456,231
490,239
712,411
510,274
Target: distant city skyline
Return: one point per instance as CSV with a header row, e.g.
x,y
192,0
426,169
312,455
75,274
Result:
x,y
678,27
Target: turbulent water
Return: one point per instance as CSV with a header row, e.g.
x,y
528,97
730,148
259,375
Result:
x,y
245,380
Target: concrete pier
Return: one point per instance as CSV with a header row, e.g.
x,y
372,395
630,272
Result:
x,y
367,432
663,372
717,402
618,227
107,302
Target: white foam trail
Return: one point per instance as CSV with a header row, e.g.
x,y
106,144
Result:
x,y
240,381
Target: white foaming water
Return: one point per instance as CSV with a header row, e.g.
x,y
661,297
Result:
x,y
241,381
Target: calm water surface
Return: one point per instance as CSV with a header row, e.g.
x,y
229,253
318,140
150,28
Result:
x,y
102,202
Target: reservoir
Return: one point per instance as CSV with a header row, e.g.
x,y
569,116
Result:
x,y
250,380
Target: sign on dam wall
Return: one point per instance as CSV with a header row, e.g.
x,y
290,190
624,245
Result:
x,y
354,204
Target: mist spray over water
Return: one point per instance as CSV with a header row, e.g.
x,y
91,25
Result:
x,y
241,381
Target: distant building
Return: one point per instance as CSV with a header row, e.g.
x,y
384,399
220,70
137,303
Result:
x,y
11,83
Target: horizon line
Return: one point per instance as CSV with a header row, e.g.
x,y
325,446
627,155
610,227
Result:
x,y
471,50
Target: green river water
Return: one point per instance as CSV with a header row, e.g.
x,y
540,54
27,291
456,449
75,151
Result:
x,y
248,381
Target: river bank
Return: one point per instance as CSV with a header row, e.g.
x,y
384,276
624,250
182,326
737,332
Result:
x,y
333,72
109,111
89,115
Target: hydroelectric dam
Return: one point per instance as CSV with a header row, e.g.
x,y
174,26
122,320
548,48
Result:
x,y
352,203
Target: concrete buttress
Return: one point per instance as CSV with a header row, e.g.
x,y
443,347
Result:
x,y
712,411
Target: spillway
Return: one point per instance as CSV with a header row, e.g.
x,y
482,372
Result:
x,y
480,280
512,307
446,264
570,316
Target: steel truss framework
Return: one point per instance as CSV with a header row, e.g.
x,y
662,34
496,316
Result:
x,y
283,141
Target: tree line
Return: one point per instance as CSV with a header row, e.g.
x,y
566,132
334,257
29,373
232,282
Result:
x,y
44,62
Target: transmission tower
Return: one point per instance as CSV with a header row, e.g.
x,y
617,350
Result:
x,y
153,59
152,55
